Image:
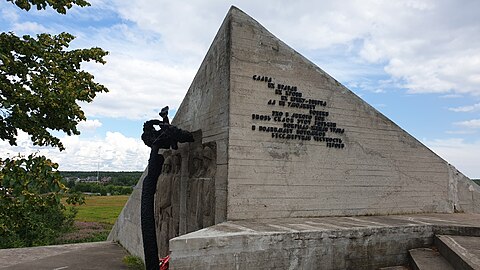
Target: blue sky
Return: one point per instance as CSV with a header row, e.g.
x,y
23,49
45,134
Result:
x,y
417,62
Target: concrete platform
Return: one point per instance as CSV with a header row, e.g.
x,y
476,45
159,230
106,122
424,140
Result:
x,y
365,242
98,255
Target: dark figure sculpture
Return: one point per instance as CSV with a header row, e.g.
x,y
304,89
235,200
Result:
x,y
166,137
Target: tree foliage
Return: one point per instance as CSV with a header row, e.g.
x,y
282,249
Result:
x,y
31,212
101,189
128,178
60,6
41,84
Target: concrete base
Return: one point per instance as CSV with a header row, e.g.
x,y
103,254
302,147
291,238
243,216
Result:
x,y
366,242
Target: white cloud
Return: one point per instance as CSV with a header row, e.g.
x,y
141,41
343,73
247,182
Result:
x,y
474,123
185,28
138,88
463,155
461,132
469,108
89,125
452,96
114,152
30,27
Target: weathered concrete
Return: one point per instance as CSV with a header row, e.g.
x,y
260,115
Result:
x,y
428,259
381,170
99,255
127,230
466,193
366,242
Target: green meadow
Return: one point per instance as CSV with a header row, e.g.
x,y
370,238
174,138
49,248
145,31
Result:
x,y
102,209
94,219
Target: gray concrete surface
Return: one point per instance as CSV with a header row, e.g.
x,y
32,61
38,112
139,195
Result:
x,y
127,229
382,169
98,255
428,259
366,242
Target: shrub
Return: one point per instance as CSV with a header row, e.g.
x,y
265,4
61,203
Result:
x,y
31,211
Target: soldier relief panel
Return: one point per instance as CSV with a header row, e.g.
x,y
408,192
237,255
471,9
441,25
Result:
x,y
201,187
198,193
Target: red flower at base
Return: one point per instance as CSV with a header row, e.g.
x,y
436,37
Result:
x,y
164,263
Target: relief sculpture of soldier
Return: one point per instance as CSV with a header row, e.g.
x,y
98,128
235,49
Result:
x,y
165,137
163,204
209,169
176,183
201,187
167,204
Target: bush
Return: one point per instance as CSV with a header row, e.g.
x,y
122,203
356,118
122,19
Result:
x,y
31,211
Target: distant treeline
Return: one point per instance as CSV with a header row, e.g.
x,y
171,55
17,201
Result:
x,y
114,183
116,178
477,181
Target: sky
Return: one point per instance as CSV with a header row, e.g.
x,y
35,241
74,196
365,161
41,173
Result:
x,y
417,62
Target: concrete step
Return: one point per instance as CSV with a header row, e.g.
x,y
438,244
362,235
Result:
x,y
463,252
399,267
428,259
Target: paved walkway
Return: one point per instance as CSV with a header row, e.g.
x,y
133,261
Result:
x,y
99,255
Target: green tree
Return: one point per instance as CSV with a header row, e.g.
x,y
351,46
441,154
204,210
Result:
x,y
60,6
30,202
41,84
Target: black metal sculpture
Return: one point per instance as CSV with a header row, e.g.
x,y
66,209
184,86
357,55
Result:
x,y
166,137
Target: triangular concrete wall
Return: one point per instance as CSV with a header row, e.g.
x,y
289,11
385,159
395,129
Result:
x,y
381,169
266,168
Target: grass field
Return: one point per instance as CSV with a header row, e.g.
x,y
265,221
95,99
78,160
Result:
x,y
102,209
94,219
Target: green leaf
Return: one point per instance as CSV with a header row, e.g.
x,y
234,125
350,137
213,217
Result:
x,y
41,84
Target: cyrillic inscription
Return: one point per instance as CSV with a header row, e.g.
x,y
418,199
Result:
x,y
311,125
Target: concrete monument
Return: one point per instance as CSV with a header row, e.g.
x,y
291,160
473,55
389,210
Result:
x,y
278,138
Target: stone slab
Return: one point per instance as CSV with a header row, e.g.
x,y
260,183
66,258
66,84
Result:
x,y
364,242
